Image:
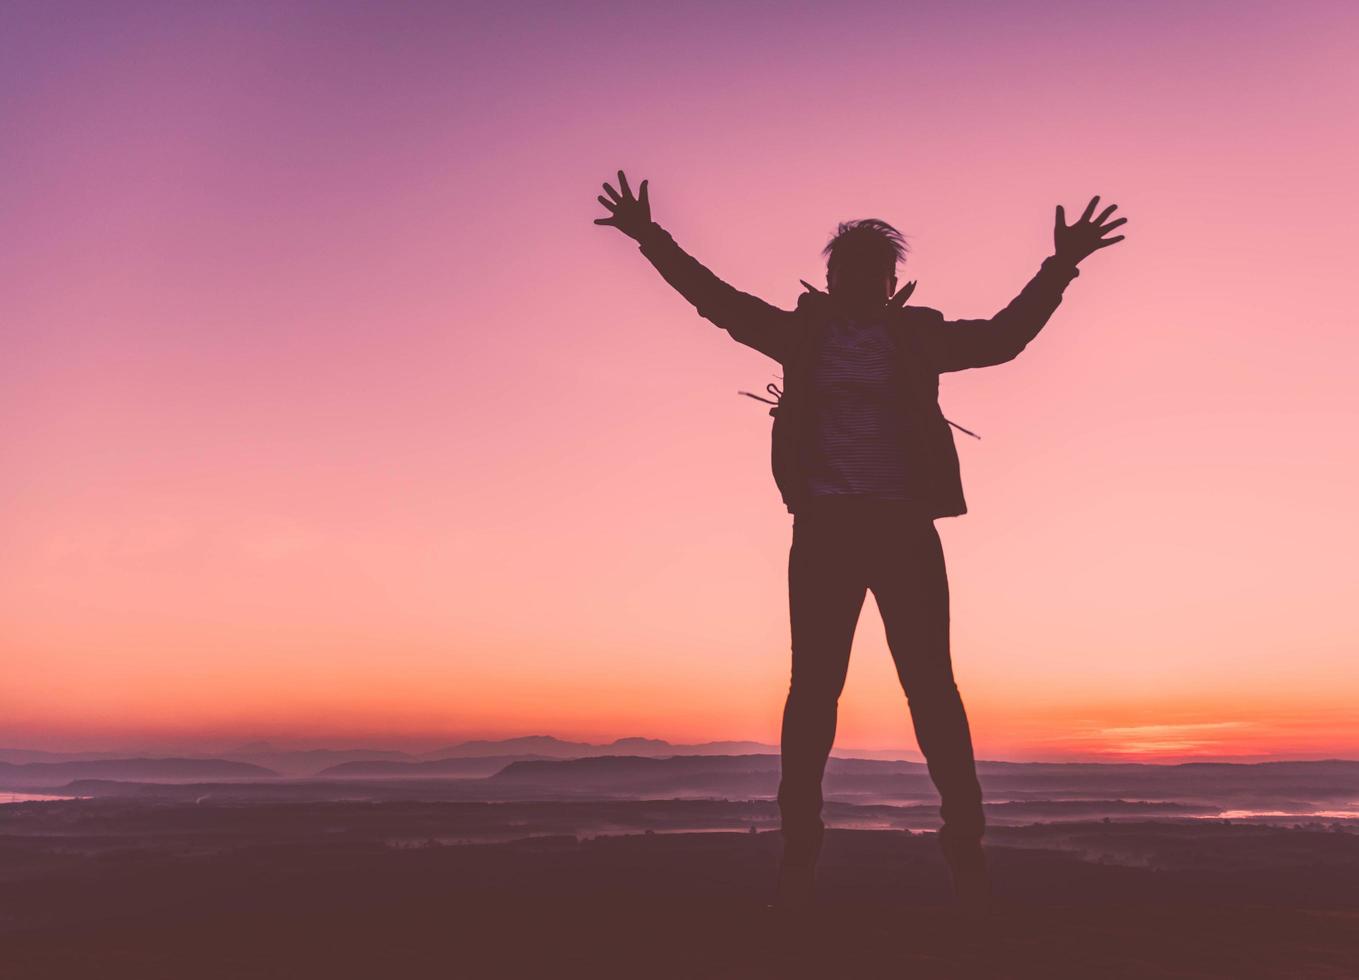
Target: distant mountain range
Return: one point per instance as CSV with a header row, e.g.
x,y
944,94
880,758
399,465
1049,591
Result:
x,y
470,767
308,762
484,755
549,746
43,775
482,758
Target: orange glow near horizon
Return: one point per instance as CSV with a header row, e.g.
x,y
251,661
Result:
x,y
327,413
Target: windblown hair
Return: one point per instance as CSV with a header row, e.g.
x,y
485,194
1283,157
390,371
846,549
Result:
x,y
869,241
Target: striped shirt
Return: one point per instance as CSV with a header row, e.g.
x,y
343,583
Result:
x,y
856,444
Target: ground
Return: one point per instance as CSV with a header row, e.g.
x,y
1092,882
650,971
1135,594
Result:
x,y
1090,900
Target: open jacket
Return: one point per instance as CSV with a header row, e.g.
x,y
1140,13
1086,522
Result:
x,y
927,345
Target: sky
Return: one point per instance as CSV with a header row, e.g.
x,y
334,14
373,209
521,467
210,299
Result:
x,y
328,415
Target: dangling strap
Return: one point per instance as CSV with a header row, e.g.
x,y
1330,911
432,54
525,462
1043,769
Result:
x,y
968,431
772,388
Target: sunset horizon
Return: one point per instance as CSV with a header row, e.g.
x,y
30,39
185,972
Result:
x,y
291,443
1158,743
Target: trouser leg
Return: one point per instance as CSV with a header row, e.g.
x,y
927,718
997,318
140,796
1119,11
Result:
x,y
910,584
826,591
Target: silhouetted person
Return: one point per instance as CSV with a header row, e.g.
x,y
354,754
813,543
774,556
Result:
x,y
865,462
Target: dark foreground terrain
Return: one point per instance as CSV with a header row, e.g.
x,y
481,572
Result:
x,y
119,888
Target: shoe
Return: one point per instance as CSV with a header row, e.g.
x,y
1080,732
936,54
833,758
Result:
x,y
967,866
796,890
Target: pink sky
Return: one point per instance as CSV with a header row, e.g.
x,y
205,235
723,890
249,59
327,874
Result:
x,y
327,411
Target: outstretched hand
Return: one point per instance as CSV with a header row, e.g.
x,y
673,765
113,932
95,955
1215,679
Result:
x,y
1076,241
630,215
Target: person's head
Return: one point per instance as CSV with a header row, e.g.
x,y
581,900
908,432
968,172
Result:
x,y
861,263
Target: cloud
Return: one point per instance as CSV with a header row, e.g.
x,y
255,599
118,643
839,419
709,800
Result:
x,y
1161,739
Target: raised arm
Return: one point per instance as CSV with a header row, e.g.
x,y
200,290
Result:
x,y
955,345
749,319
